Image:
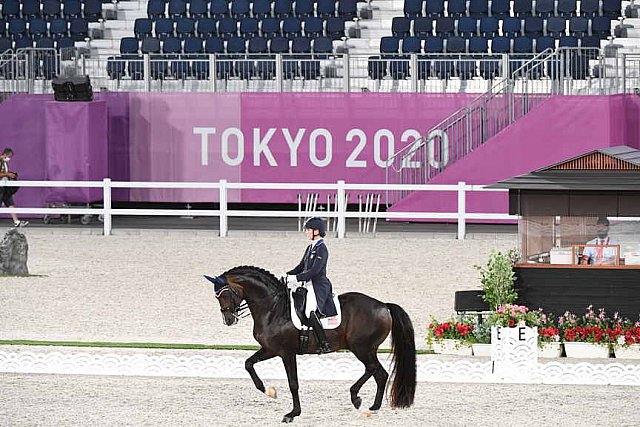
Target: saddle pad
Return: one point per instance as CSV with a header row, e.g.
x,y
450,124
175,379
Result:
x,y
327,322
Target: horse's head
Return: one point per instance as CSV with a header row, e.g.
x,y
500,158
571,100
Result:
x,y
230,298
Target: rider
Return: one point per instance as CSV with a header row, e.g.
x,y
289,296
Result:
x,y
312,270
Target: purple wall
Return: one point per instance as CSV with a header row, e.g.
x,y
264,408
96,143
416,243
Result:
x,y
301,137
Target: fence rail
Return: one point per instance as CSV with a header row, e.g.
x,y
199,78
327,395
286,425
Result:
x,y
223,212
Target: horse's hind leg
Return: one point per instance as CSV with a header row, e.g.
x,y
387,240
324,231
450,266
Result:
x,y
372,368
258,356
381,376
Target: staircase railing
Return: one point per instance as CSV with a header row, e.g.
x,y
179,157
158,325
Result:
x,y
485,116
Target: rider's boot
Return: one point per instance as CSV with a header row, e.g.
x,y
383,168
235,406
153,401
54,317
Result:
x,y
299,303
323,344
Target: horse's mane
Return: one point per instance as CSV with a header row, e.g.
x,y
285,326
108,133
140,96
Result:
x,y
264,276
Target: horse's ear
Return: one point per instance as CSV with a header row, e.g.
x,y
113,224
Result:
x,y
217,280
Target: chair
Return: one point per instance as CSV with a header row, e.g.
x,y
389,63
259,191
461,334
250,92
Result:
x,y
198,9
322,47
501,44
11,9
177,9
72,9
219,9
434,45
30,9
240,9
79,29
423,27
37,28
155,9
601,26
500,8
556,26
511,27
303,8
578,26
435,8
64,43
456,45
568,41
467,27
544,8
23,43
193,45
206,27
533,26
270,28
51,9
309,68
347,9
158,64
236,48
335,28
164,28
259,52
227,28
478,44
456,8
17,29
566,8
58,28
214,45
289,65
589,7
523,8
116,67
489,26
325,8
142,27
313,27
173,45
291,28
478,8
92,11
411,45
249,28
522,45
150,45
389,45
400,26
545,42
444,26
612,8
261,9
282,8
412,8
185,27
376,67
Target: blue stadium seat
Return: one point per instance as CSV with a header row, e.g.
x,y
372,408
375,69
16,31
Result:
x,y
489,67
500,8
544,43
291,27
150,45
30,9
17,29
198,9
261,9
219,9
142,27
313,27
64,43
413,8
72,9
522,44
279,45
156,9
303,8
214,45
590,42
270,28
522,8
177,9
456,45
435,8
456,8
78,29
612,8
467,27
478,8
301,45
206,27
478,44
434,45
23,43
282,8
185,27
545,8
309,68
236,46
335,28
568,41
533,26
11,9
38,28
511,27
322,47
249,28
556,26
227,28
164,28
411,45
501,44
444,26
258,50
398,67
240,8
59,28
589,7
400,26
92,11
389,44
601,26
45,43
347,9
193,45
3,29
423,27
489,26
258,45
173,45
578,26
566,8
325,8
5,44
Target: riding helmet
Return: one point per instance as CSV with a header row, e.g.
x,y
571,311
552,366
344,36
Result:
x,y
316,223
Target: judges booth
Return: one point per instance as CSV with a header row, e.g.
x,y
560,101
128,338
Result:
x,y
579,233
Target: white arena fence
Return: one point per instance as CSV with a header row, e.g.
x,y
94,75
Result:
x,y
340,213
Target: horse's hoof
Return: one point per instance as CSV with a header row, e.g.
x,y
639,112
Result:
x,y
271,392
287,419
375,407
357,402
365,414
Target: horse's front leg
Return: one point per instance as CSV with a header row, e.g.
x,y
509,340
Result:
x,y
258,356
290,365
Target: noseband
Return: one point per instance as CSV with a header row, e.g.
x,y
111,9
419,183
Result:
x,y
236,309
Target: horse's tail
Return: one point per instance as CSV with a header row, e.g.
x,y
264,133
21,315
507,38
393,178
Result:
x,y
403,346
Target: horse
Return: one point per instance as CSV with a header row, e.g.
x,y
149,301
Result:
x,y
366,323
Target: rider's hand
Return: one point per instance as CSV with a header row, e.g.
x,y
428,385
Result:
x,y
291,278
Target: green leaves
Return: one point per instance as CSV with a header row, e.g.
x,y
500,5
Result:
x,y
497,278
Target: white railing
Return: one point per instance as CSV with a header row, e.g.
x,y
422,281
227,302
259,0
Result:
x,y
223,212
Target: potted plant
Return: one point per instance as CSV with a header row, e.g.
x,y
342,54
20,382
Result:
x,y
451,336
513,315
588,336
627,344
482,338
549,344
497,278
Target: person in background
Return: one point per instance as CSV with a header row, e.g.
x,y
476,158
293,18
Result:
x,y
6,193
601,254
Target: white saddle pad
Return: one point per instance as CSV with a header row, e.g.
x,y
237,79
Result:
x,y
327,322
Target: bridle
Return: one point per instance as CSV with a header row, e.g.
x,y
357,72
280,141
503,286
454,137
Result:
x,y
237,309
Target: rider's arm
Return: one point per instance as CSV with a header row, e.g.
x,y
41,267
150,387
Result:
x,y
317,263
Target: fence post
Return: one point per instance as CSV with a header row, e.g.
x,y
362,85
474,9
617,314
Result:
x,y
461,210
106,206
147,72
341,209
223,208
346,72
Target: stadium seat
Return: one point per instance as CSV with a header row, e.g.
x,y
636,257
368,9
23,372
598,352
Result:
x,y
5,44
589,7
435,8
156,9
45,43
17,29
411,45
412,8
79,29
173,45
214,45
72,9
64,43
456,45
511,27
544,43
38,28
303,8
3,29
578,26
533,26
544,8
261,9
282,9
313,27
376,67
279,45
270,28
219,9
434,45
389,44
522,44
400,26
236,48
258,51
478,8
164,28
129,46
478,44
240,9
193,45
177,9
444,27
568,41
556,26
92,11
291,28
206,27
467,27
11,9
30,9
142,27
322,47
347,9
334,28
198,9
501,44
150,45
423,27
23,43
456,8
116,67
185,27
227,28
58,28
301,45
522,8
309,68
500,8
249,28
325,8
489,26
601,26
612,8
566,8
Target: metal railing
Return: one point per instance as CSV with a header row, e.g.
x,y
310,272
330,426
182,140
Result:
x,y
506,101
223,188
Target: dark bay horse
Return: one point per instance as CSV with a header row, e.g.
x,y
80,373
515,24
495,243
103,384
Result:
x,y
366,323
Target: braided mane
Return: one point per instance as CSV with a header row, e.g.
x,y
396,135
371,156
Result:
x,y
260,274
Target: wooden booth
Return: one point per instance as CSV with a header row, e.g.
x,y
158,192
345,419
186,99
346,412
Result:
x,y
579,233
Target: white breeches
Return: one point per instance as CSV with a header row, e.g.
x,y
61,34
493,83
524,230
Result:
x,y
312,303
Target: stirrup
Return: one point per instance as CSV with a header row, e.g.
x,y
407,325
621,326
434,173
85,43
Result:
x,y
324,347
